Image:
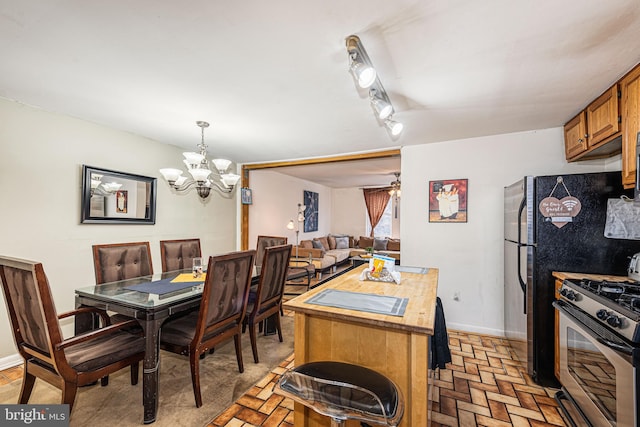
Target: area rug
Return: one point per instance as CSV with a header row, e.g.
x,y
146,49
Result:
x,y
120,403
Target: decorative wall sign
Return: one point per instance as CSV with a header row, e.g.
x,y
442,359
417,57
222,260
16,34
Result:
x,y
246,196
448,200
311,211
560,212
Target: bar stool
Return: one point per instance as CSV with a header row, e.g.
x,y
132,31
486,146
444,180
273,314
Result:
x,y
344,391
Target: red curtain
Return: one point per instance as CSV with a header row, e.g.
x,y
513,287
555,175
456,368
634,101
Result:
x,y
376,200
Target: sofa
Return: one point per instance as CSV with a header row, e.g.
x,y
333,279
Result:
x,y
383,246
326,252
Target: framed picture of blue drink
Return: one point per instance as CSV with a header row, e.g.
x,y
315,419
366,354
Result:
x,y
311,211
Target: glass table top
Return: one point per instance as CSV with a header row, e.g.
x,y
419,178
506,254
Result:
x,y
117,291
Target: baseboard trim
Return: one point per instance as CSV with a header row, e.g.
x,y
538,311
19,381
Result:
x,y
475,329
10,361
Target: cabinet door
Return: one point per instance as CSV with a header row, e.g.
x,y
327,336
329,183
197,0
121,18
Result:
x,y
575,136
630,106
602,116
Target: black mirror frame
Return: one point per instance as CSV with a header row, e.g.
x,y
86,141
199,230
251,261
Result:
x,y
86,218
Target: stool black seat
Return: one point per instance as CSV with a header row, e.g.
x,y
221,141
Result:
x,y
344,391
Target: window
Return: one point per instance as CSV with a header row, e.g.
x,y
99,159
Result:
x,y
383,229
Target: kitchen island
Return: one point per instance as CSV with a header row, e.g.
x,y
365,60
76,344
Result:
x,y
395,346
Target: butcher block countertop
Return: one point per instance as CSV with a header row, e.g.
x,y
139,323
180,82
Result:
x,y
566,275
420,289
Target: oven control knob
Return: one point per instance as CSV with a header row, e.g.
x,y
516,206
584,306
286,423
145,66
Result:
x,y
614,321
568,294
602,314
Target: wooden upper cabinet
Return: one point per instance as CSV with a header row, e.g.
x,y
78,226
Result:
x,y
602,117
595,132
630,89
575,136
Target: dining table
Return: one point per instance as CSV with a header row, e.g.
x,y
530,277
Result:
x,y
151,300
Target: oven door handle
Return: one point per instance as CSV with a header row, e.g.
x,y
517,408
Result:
x,y
621,348
560,305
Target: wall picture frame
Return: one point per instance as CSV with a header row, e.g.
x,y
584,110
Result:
x,y
448,200
246,196
311,211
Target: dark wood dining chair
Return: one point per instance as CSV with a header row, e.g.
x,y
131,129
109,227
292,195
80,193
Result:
x,y
221,314
179,254
119,261
64,363
268,300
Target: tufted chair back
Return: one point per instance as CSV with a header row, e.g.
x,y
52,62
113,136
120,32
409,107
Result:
x,y
179,254
119,261
263,243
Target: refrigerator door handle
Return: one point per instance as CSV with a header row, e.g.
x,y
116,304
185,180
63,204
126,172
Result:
x,y
523,204
523,284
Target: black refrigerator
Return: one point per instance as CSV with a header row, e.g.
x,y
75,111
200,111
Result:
x,y
554,223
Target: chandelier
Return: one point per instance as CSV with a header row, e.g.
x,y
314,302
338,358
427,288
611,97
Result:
x,y
202,177
395,186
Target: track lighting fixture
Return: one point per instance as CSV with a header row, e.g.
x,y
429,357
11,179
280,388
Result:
x,y
366,77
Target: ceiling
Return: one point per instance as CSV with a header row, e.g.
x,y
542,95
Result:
x,y
272,76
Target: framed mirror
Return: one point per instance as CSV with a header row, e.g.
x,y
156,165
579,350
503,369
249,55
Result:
x,y
111,197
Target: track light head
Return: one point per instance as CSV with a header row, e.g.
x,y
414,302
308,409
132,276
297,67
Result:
x,y
382,107
394,127
364,74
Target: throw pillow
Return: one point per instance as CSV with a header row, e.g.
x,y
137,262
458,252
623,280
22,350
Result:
x,y
332,242
342,243
393,245
365,242
324,242
317,244
379,244
306,244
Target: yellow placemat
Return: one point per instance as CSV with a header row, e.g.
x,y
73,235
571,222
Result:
x,y
188,277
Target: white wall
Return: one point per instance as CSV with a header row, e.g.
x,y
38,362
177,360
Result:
x,y
40,175
470,255
349,212
275,203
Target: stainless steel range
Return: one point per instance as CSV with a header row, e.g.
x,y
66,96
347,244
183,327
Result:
x,y
600,350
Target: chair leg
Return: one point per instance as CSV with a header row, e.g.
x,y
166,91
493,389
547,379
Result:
x,y
238,343
28,381
69,394
104,381
135,368
254,344
278,326
194,361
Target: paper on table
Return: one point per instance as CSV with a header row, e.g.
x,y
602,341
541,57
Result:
x,y
188,277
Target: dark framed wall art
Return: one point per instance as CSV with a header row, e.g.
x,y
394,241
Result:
x,y
311,211
448,200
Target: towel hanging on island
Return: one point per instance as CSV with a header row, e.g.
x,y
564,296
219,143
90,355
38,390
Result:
x,y
439,341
